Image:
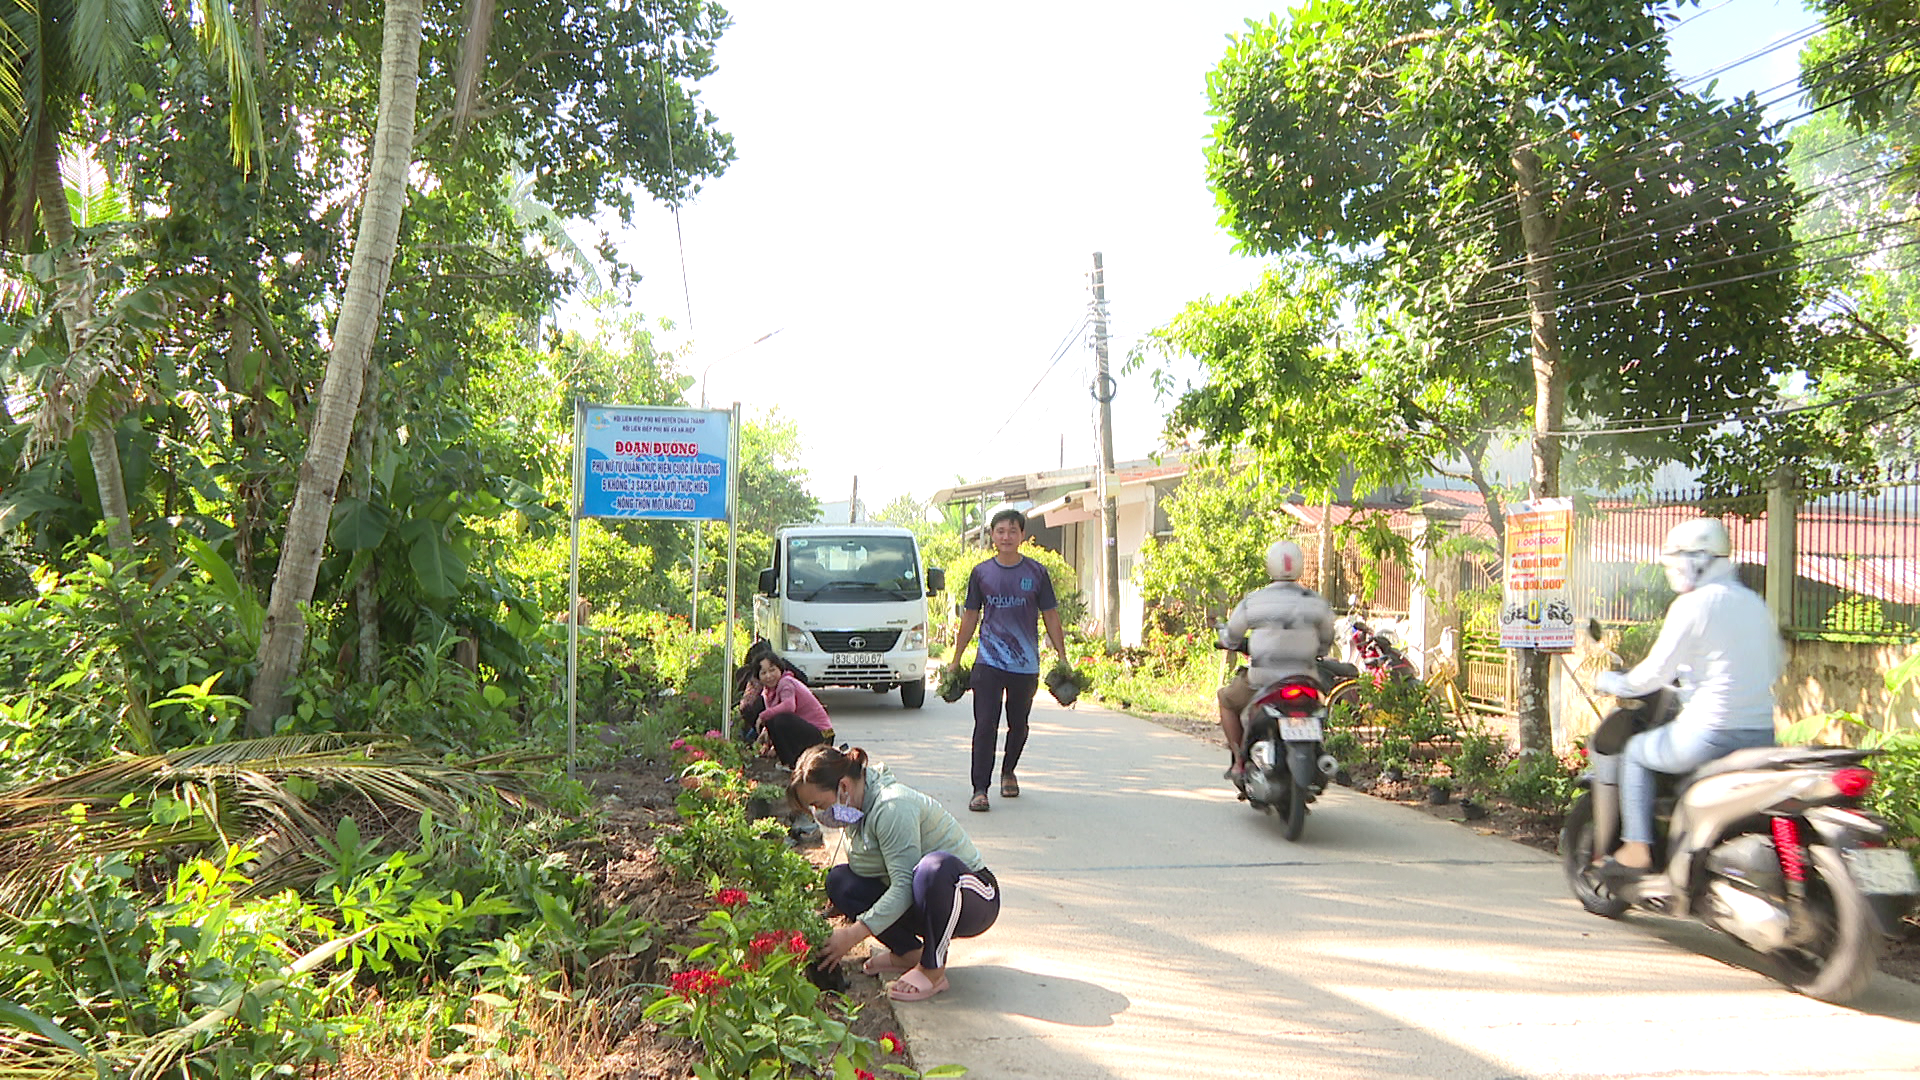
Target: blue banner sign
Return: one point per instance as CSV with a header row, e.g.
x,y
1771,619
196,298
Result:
x,y
647,462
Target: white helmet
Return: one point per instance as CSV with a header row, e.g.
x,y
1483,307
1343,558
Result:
x,y
1285,561
1690,550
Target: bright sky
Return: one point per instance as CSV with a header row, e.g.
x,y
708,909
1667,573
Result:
x,y
918,193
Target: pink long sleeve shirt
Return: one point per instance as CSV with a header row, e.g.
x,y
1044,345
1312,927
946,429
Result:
x,y
790,695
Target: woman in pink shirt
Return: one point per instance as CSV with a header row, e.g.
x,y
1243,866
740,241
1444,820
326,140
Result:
x,y
793,718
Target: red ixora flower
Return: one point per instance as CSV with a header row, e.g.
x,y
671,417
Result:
x,y
797,944
697,983
731,898
765,943
862,1074
891,1043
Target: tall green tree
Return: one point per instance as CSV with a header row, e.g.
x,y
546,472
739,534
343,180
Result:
x,y
590,94
1525,187
1223,518
58,58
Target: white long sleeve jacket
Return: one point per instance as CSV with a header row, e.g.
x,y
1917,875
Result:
x,y
1720,642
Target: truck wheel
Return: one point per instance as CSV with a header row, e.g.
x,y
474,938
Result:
x,y
914,694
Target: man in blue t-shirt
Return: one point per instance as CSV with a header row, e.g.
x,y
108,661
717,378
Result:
x,y
1007,598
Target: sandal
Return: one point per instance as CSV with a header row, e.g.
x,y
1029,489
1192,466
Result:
x,y
978,802
913,986
885,962
1009,787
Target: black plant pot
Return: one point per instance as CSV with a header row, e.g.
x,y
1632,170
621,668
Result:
x,y
1439,794
758,807
1392,774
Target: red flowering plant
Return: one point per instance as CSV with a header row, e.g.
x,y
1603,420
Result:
x,y
744,995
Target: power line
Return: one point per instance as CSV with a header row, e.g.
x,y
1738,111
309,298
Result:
x,y
1499,325
1727,418
1058,352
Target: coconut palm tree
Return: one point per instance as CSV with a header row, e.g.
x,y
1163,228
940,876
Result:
x,y
56,58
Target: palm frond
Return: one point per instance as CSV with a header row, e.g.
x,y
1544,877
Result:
x,y
252,793
228,45
90,192
13,55
105,38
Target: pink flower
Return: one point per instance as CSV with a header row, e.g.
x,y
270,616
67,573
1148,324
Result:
x,y
679,744
697,755
714,733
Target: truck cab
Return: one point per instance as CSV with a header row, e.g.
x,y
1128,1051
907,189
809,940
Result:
x,y
847,605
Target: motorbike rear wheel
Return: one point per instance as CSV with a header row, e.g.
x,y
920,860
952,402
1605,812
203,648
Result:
x,y
1293,812
1836,965
1576,856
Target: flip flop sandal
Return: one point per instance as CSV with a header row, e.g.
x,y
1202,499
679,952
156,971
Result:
x,y
913,986
979,802
1009,787
883,962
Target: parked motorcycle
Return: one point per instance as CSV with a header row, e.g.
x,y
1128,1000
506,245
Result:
x,y
1376,652
1770,847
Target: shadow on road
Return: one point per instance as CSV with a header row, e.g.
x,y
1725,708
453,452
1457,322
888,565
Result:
x,y
1055,999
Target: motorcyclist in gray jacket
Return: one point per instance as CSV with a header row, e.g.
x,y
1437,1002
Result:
x,y
1285,629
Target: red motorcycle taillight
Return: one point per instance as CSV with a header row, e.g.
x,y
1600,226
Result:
x,y
1292,691
1853,782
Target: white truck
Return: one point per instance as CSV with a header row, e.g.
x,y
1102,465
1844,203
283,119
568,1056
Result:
x,y
847,605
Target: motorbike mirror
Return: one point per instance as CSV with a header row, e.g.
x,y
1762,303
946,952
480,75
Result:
x,y
1595,630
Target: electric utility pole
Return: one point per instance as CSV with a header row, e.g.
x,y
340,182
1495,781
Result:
x,y
853,503
1103,391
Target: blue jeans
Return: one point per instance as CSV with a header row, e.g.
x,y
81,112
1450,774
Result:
x,y
1671,748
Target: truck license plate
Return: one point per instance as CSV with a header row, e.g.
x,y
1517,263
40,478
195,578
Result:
x,y
1883,871
1300,729
856,659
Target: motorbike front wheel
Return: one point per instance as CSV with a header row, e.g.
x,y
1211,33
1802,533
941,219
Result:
x,y
1844,948
1576,857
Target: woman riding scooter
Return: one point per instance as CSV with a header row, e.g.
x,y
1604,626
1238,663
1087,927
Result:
x,y
1720,634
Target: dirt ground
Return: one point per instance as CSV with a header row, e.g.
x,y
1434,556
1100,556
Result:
x,y
1902,957
637,799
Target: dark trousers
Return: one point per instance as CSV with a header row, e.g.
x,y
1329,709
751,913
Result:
x,y
949,901
990,686
791,736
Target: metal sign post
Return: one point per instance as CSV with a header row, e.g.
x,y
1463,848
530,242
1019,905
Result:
x,y
651,463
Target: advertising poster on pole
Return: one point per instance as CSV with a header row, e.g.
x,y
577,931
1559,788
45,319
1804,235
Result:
x,y
645,462
1536,611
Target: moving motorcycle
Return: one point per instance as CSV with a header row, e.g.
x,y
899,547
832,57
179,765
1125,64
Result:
x,y
1286,766
1768,846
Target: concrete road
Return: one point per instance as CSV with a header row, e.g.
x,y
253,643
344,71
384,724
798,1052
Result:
x,y
1153,927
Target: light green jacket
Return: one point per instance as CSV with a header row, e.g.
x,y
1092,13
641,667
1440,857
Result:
x,y
900,827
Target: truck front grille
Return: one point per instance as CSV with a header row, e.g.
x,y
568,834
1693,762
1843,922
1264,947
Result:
x,y
837,641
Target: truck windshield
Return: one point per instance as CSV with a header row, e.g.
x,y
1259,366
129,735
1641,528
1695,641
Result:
x,y
852,569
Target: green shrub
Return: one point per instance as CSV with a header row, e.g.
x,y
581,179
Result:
x,y
1540,784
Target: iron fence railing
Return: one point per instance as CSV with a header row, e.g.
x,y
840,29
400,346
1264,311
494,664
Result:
x,y
1616,575
1857,563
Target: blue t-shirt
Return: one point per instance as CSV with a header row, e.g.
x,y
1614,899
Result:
x,y
1010,600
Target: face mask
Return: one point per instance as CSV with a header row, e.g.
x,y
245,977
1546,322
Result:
x,y
838,816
